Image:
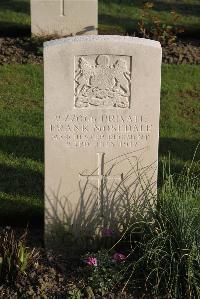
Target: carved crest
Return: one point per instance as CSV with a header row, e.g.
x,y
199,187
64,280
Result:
x,y
102,81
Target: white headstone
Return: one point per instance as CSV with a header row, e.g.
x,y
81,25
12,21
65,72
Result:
x,y
102,103
64,17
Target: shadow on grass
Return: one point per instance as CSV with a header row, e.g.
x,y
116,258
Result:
x,y
19,213
16,182
184,9
118,24
21,181
20,184
180,8
130,25
11,29
23,147
179,153
19,6
182,149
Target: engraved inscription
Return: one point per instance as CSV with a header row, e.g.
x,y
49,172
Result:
x,y
62,8
101,178
102,81
102,131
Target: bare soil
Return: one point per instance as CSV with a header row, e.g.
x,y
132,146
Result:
x,y
23,50
52,277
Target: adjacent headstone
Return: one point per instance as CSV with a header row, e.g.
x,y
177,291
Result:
x,y
102,103
64,17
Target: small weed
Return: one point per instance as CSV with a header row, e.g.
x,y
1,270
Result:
x,y
75,294
15,257
103,270
164,33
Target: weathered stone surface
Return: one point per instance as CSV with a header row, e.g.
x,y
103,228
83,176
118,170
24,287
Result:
x,y
64,17
102,102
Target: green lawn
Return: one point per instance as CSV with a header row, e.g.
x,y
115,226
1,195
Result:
x,y
21,105
21,143
117,16
21,133
123,15
15,17
180,113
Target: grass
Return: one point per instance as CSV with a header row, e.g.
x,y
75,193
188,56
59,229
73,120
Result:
x,y
169,246
15,17
179,122
161,246
168,251
21,105
165,242
123,15
21,150
21,134
117,16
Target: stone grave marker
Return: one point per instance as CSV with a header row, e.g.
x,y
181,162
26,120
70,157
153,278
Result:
x,y
102,103
64,17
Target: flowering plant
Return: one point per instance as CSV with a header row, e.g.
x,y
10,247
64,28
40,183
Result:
x,y
107,232
119,257
103,270
91,261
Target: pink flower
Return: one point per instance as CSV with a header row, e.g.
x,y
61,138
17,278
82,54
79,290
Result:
x,y
107,232
119,257
91,261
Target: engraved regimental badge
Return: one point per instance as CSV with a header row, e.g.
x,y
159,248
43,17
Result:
x,y
102,81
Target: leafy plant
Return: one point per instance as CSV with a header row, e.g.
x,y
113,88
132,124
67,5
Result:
x,y
75,294
15,257
164,33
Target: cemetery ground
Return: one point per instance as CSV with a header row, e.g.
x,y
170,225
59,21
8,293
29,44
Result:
x,y
21,102
117,16
22,168
164,260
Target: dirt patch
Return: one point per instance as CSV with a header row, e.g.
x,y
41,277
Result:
x,y
20,50
30,50
52,276
181,53
189,101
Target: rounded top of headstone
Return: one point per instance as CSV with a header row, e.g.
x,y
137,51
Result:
x,y
99,38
